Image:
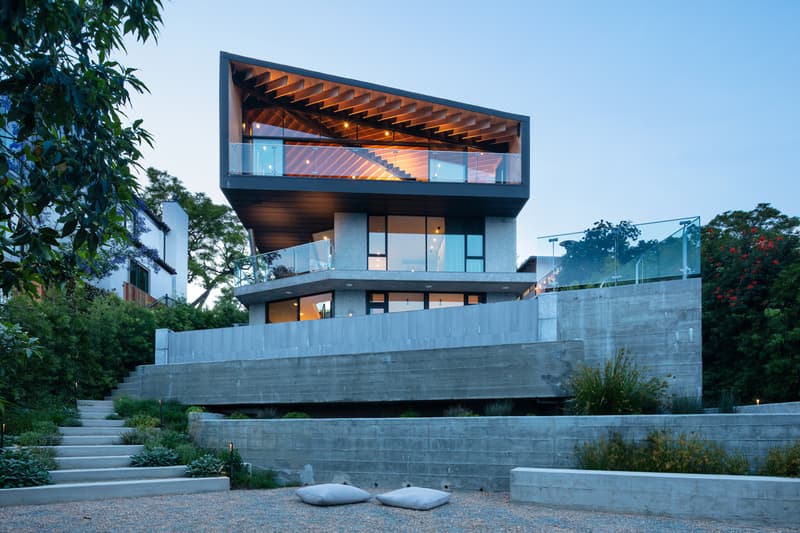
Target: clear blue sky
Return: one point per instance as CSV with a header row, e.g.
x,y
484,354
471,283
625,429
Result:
x,y
640,110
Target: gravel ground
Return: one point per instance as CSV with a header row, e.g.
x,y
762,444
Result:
x,y
280,510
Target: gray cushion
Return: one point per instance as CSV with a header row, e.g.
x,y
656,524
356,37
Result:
x,y
417,498
332,494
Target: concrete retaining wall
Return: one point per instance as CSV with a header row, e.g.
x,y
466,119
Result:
x,y
461,453
538,370
764,500
659,324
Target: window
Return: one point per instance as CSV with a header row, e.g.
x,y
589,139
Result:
x,y
433,244
313,307
397,302
139,277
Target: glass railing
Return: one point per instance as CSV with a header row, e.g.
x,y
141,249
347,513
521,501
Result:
x,y
271,158
625,253
312,257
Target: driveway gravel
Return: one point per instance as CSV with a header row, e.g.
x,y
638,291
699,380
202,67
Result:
x,y
281,510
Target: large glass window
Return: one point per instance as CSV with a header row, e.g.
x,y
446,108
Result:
x,y
395,302
267,157
406,243
433,244
313,307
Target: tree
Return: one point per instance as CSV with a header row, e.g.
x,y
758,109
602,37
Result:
x,y
66,156
593,258
751,305
216,237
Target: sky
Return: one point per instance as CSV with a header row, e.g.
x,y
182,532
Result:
x,y
640,111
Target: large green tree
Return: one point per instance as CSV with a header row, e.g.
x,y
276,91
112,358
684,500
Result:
x,y
751,305
216,237
67,152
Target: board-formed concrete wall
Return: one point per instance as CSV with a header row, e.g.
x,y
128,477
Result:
x,y
461,453
538,370
658,324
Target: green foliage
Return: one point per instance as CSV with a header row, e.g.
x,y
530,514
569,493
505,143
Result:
x,y
458,410
66,154
20,419
173,439
254,480
174,413
727,401
157,456
685,405
16,348
188,453
660,452
21,468
499,408
142,421
784,461
206,466
46,455
409,414
216,238
195,409
296,414
149,436
42,433
619,388
238,416
751,305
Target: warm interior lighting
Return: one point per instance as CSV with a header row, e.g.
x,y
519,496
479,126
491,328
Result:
x,y
295,304
758,401
346,124
308,162
324,237
258,126
386,133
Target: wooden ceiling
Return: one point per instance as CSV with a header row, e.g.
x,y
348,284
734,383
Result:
x,y
375,108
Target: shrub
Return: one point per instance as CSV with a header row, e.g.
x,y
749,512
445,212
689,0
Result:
x,y
142,421
685,405
148,436
238,416
195,409
172,439
727,401
188,452
173,413
784,461
21,468
158,456
409,414
20,419
620,388
458,410
46,455
660,452
296,414
254,480
43,433
206,466
499,408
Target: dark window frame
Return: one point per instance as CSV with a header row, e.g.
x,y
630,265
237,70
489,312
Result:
x,y
384,305
297,299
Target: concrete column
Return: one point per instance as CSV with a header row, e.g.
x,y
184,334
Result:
x,y
162,346
500,244
350,241
349,303
258,313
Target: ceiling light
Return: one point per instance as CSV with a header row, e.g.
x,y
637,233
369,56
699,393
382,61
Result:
x,y
294,304
505,287
346,124
386,133
288,292
348,284
428,286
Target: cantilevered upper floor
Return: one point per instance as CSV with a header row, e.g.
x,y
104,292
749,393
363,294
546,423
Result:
x,y
298,146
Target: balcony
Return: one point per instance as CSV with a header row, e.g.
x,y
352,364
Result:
x,y
272,158
311,257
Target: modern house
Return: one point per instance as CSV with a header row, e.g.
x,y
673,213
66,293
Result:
x,y
154,265
364,199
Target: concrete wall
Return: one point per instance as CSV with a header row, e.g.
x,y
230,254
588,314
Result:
x,y
462,453
475,325
538,370
349,303
350,241
765,500
659,324
176,252
500,243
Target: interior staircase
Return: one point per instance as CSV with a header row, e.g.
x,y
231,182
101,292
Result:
x,y
93,464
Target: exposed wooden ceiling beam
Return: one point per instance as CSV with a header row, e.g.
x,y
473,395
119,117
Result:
x,y
324,95
371,104
431,124
350,104
400,113
290,88
274,84
391,106
343,97
311,91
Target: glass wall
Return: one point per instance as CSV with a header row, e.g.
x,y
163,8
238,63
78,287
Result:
x,y
313,307
432,244
397,302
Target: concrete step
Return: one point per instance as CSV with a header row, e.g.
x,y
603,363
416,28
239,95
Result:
x,y
87,416
95,403
86,440
103,423
97,451
81,463
70,492
87,475
93,430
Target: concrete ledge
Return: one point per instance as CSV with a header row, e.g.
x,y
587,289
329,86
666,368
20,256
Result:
x,y
72,492
100,450
763,500
85,475
104,461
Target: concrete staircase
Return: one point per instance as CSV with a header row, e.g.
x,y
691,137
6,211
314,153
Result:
x,y
130,386
93,464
